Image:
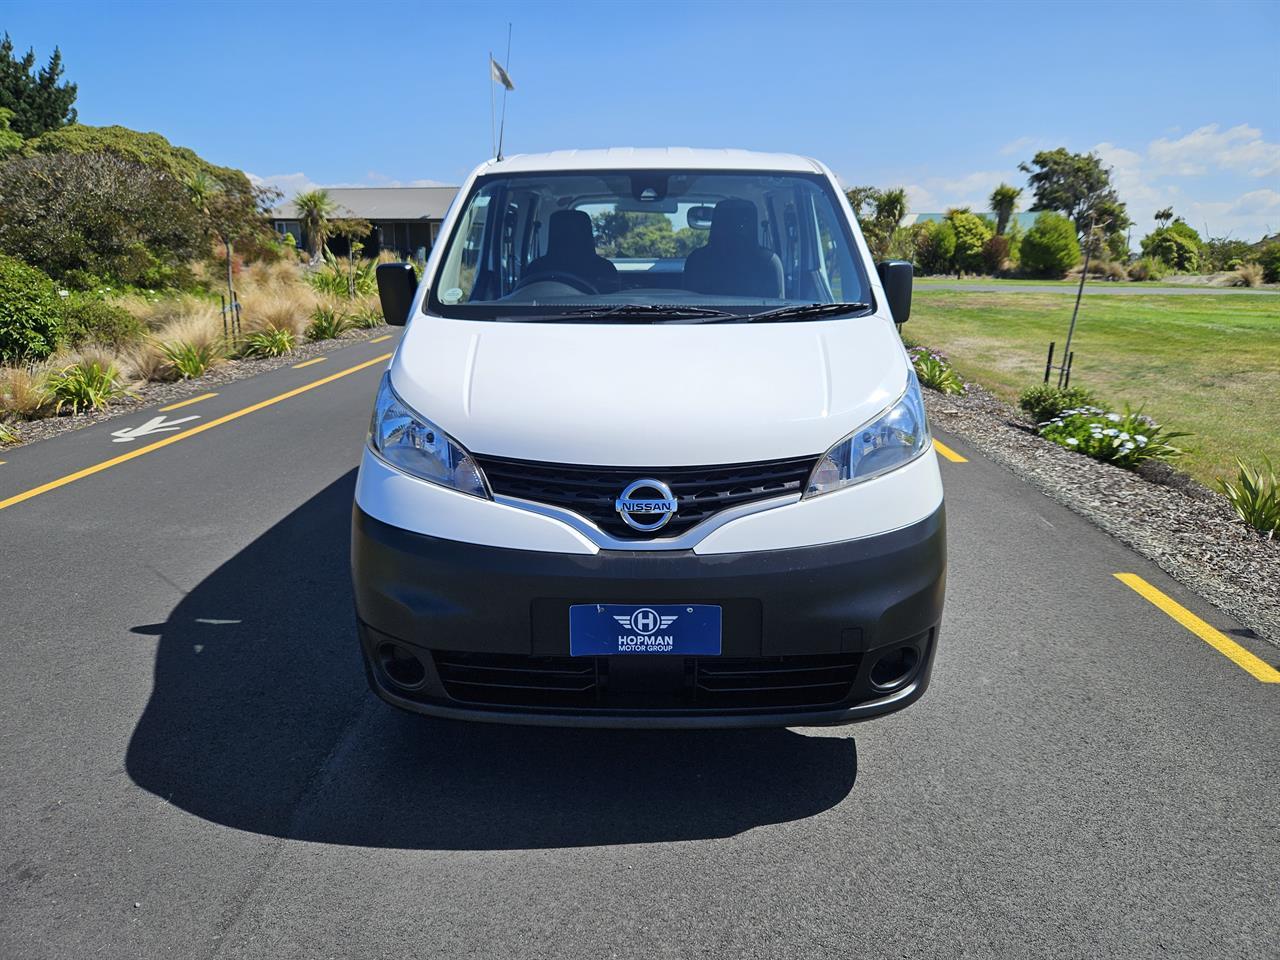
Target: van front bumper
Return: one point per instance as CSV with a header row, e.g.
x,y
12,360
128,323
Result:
x,y
482,633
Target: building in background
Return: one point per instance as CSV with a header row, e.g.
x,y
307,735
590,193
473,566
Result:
x,y
405,220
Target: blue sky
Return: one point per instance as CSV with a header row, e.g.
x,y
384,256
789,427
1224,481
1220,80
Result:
x,y
944,98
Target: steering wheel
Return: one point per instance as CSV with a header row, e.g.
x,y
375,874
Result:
x,y
582,284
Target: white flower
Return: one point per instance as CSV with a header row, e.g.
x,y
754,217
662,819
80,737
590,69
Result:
x,y
1141,439
1112,432
1072,440
1124,436
1114,417
1129,445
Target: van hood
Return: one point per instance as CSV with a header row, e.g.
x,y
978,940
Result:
x,y
649,395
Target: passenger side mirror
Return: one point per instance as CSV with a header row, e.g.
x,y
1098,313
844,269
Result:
x,y
397,283
895,277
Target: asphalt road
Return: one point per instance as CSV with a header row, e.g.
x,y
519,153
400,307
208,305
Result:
x,y
191,766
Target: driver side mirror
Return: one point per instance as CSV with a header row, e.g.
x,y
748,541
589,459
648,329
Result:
x,y
895,277
397,283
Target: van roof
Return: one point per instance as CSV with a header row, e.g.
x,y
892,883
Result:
x,y
625,158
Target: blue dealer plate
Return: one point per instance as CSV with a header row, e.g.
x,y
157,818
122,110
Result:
x,y
606,629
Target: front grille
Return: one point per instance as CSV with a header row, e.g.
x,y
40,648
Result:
x,y
592,491
682,683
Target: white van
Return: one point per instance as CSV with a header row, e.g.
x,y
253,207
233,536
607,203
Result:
x,y
650,453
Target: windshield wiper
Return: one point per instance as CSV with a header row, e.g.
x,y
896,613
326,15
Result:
x,y
804,311
654,312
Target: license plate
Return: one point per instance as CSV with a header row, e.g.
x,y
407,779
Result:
x,y
607,629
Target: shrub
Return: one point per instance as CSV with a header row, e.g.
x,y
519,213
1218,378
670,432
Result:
x,y
367,318
1044,401
1247,275
90,383
1174,248
30,312
123,221
1255,497
1269,257
8,434
1050,247
23,393
995,254
96,321
272,342
190,359
972,234
935,246
337,278
1123,439
934,370
1146,269
327,323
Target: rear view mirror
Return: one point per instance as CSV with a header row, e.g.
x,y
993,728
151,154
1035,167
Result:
x,y
397,283
700,217
895,277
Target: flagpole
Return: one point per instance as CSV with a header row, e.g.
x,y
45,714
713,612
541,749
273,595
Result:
x,y
493,138
502,128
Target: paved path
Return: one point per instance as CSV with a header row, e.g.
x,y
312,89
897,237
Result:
x,y
191,765
1116,289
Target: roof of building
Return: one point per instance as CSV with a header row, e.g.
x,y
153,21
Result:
x,y
662,158
1024,219
382,203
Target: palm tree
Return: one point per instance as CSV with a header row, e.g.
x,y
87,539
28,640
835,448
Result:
x,y
314,209
1004,201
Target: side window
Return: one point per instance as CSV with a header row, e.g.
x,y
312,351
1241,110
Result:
x,y
458,276
828,254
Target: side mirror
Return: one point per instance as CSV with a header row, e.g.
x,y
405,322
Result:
x,y
397,283
895,277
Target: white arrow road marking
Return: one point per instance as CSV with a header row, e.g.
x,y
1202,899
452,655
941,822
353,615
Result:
x,y
154,425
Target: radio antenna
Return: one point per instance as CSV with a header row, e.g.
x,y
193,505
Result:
x,y
506,86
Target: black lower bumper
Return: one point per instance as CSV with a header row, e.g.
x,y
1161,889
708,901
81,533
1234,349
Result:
x,y
810,635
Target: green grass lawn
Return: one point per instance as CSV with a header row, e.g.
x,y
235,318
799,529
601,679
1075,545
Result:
x,y
1208,365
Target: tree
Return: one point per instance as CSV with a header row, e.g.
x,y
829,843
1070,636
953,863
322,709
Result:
x,y
1077,186
30,313
935,246
81,218
39,101
620,233
314,209
10,140
1050,247
230,214
972,234
1004,201
880,213
1177,245
351,229
1164,216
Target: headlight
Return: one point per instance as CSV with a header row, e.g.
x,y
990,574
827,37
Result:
x,y
415,445
891,440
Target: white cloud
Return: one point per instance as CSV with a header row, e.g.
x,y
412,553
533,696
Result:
x,y
1241,149
936,194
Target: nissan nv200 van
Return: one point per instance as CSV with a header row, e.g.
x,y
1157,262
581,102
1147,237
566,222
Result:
x,y
650,453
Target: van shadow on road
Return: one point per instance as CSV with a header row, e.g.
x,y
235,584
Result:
x,y
260,719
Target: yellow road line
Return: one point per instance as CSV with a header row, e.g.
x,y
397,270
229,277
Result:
x,y
1237,654
386,336
947,452
187,403
176,437
307,363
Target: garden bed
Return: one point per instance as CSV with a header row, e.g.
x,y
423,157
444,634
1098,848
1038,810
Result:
x,y
1188,530
151,393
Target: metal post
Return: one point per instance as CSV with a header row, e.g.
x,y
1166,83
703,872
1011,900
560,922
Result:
x,y
1070,358
223,300
1066,347
1048,363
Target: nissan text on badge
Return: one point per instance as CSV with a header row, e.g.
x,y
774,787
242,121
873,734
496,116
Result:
x,y
650,453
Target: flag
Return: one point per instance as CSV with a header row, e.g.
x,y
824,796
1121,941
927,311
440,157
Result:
x,y
500,75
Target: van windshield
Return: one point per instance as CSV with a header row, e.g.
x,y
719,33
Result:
x,y
540,244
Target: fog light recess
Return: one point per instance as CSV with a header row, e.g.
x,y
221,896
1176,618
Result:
x,y
401,666
895,668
